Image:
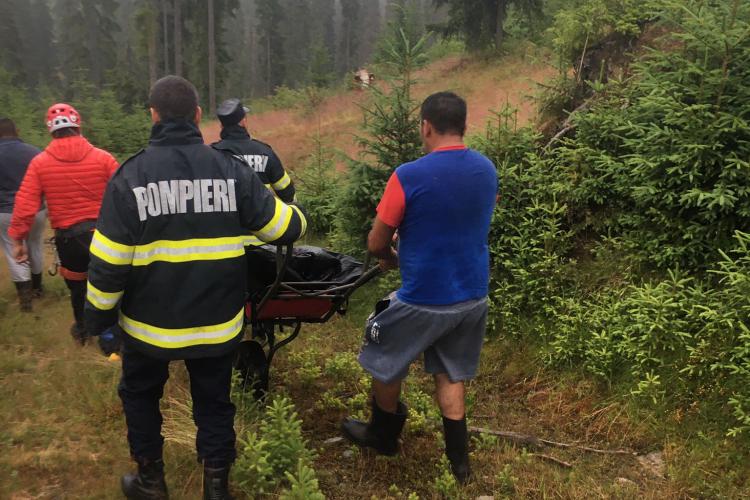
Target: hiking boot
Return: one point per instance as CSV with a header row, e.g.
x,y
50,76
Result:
x,y
147,483
23,288
36,286
457,448
381,433
216,483
78,332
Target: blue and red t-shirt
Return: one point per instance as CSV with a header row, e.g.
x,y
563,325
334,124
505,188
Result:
x,y
442,206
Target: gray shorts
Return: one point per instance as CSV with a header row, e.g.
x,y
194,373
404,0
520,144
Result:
x,y
450,337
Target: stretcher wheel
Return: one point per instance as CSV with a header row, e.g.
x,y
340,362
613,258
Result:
x,y
252,364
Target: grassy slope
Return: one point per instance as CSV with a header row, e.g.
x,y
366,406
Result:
x,y
486,86
63,434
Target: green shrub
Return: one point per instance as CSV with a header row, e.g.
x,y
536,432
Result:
x,y
529,236
26,112
581,24
273,452
318,185
650,189
662,160
282,429
445,483
343,366
684,337
252,473
303,484
307,368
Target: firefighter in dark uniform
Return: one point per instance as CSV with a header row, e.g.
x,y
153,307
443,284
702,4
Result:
x,y
260,157
257,155
168,268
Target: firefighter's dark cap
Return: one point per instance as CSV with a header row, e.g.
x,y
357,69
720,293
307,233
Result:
x,y
231,112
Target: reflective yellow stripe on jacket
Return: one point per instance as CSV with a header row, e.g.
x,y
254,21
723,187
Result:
x,y
278,225
104,301
253,241
282,183
174,338
110,251
167,250
189,250
302,220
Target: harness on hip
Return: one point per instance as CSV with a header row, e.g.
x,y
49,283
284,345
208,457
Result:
x,y
73,231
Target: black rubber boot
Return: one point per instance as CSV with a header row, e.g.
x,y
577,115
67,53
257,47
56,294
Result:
x,y
78,332
147,483
457,448
77,298
36,286
216,483
23,288
381,433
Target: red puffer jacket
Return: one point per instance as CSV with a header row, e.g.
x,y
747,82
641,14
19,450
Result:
x,y
71,175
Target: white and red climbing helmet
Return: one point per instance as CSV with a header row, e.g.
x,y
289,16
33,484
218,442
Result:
x,y
62,116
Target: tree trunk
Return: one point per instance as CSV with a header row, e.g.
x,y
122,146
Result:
x,y
502,14
268,64
152,63
211,58
178,37
165,29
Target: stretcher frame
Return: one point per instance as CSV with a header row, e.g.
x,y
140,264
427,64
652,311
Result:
x,y
289,304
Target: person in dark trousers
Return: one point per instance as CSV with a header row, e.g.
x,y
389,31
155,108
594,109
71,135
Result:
x,y
168,271
441,205
15,156
70,175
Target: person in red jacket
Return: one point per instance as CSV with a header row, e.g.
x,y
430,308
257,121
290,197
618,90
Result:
x,y
70,175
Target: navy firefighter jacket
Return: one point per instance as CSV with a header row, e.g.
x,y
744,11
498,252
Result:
x,y
260,157
167,257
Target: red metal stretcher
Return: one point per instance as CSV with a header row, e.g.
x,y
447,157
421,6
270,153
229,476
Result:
x,y
285,306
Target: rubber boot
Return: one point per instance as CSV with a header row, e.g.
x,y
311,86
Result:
x,y
457,448
147,483
77,298
381,433
36,285
216,483
78,332
23,288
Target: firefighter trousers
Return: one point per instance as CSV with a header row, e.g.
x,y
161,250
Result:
x,y
142,386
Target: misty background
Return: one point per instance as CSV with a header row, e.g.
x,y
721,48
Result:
x,y
246,48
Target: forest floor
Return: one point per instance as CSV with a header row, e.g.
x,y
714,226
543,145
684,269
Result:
x,y
62,431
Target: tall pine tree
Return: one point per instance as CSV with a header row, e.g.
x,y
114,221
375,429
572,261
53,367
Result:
x,y
10,42
349,37
86,38
271,46
297,41
480,23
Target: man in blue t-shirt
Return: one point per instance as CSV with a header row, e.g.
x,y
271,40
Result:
x,y
441,205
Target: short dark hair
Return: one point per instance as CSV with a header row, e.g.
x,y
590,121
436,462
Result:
x,y
446,112
174,98
66,132
7,127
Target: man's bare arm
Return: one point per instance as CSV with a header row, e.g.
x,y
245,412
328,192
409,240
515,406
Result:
x,y
379,244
